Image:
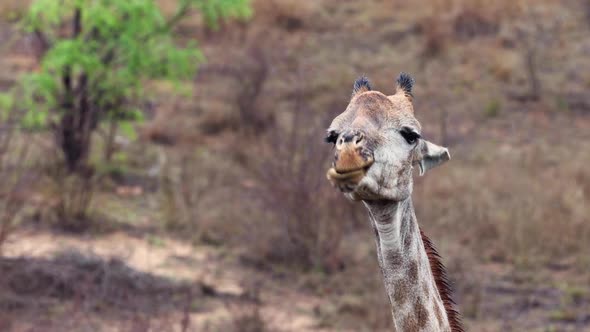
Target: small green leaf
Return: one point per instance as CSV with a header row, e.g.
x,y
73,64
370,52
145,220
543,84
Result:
x,y
128,129
6,101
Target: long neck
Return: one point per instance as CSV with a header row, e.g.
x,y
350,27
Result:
x,y
416,303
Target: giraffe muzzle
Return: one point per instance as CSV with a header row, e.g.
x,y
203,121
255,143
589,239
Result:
x,y
351,162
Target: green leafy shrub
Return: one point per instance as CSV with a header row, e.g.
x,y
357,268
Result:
x,y
94,58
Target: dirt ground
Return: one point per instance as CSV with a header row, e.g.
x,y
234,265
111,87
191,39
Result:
x,y
225,297
209,289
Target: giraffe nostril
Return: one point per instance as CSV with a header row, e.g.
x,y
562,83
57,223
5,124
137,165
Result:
x,y
359,139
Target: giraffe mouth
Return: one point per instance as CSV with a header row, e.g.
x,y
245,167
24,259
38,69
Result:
x,y
347,180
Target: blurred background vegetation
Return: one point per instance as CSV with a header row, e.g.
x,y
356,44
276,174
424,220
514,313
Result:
x,y
163,168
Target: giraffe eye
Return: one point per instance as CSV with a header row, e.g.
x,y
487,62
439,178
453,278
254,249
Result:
x,y
331,137
409,135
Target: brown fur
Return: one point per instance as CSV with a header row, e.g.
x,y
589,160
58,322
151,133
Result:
x,y
394,258
410,323
372,109
401,292
426,290
413,272
438,315
421,313
408,239
442,284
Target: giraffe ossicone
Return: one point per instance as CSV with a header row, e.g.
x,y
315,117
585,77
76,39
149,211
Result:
x,y
377,142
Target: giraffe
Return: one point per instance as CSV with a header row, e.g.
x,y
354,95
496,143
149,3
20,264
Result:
x,y
377,142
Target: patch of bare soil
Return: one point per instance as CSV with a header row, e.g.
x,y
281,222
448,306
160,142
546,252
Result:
x,y
500,298
117,282
123,281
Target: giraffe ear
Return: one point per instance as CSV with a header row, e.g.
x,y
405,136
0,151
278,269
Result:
x,y
430,155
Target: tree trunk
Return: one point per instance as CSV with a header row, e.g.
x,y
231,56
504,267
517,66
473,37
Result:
x,y
78,119
110,140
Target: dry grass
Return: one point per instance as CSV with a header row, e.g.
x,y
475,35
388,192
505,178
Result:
x,y
192,181
286,14
303,230
513,205
245,162
12,10
17,172
74,193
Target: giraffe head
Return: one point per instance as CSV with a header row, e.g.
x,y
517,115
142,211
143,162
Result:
x,y
377,143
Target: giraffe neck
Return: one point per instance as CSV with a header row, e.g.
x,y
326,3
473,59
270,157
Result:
x,y
416,303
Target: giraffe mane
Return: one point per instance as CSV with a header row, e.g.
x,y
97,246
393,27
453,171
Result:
x,y
441,279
